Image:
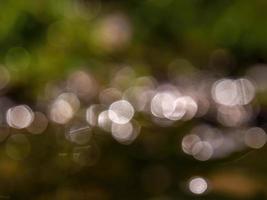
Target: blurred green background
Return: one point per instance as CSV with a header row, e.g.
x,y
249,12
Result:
x,y
43,41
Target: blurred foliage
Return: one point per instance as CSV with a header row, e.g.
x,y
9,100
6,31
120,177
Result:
x,y
43,41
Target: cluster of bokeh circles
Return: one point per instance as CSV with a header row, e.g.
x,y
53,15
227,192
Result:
x,y
82,105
